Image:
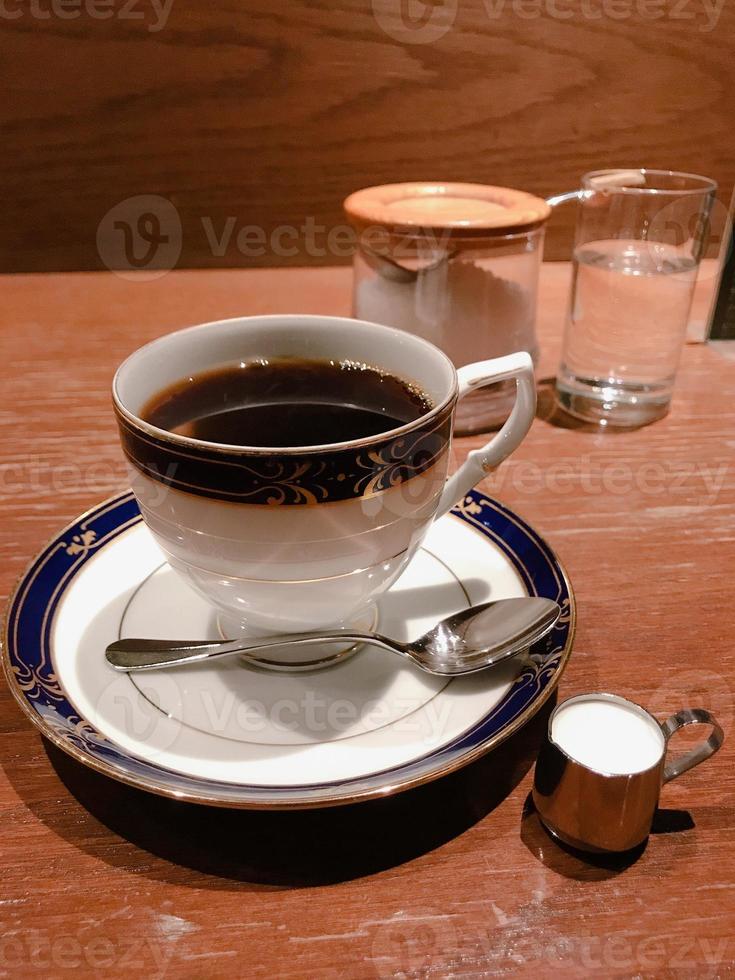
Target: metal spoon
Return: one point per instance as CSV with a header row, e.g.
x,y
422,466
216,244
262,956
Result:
x,y
390,269
615,178
470,640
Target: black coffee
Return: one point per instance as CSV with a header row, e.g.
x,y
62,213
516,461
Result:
x,y
286,402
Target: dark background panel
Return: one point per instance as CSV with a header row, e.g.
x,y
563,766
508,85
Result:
x,y
257,115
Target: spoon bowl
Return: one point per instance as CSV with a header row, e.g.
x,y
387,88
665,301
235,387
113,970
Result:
x,y
482,636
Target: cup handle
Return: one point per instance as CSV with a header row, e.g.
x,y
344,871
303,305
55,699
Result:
x,y
691,716
481,461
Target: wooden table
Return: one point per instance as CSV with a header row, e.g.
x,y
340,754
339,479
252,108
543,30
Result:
x,y
456,878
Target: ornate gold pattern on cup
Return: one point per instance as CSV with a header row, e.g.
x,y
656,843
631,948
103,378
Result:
x,y
303,477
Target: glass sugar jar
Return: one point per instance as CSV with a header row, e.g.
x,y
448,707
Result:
x,y
457,264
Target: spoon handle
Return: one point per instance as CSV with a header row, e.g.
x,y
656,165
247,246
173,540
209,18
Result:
x,y
141,654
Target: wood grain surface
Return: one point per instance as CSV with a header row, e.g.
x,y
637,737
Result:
x,y
456,878
264,115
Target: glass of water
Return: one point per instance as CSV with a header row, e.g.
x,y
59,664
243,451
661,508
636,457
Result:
x,y
639,238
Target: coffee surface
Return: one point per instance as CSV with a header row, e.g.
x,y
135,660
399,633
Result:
x,y
286,402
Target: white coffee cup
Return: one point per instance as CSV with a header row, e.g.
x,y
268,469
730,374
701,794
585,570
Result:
x,y
307,536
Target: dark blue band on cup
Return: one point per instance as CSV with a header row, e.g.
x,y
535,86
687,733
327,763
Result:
x,y
310,476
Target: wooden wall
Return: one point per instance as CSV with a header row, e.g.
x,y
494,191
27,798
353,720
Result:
x,y
265,113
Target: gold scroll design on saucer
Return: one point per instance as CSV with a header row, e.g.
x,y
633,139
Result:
x,y
75,730
81,544
536,672
537,667
472,508
33,682
42,678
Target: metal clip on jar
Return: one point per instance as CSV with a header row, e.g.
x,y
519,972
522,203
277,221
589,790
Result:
x,y
456,264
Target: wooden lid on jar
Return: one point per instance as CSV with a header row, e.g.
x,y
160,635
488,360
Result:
x,y
453,209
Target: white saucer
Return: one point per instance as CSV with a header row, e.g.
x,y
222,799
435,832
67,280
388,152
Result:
x,y
234,735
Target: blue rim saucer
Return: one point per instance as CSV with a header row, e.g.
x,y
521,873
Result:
x,y
36,676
